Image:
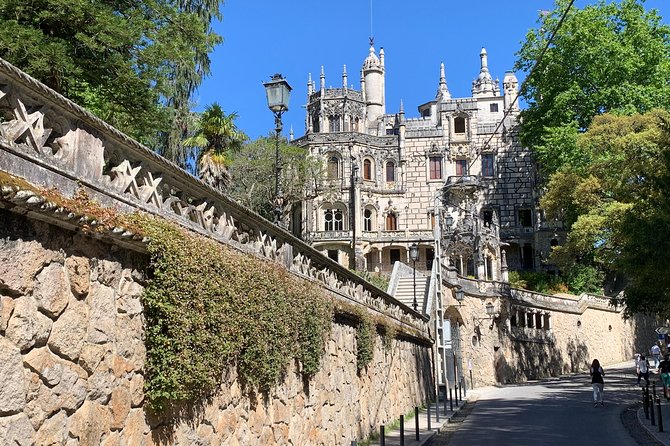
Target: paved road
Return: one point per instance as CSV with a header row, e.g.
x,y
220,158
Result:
x,y
549,413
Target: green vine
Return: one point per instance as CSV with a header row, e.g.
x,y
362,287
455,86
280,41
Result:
x,y
209,307
365,340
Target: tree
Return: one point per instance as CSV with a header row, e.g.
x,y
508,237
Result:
x,y
214,142
133,64
253,175
607,57
616,208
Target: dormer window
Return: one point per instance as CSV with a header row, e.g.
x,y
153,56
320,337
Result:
x,y
459,125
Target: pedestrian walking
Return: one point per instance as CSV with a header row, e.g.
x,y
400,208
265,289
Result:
x,y
664,370
656,354
597,383
642,370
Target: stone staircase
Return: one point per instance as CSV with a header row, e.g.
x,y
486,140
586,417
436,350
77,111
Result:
x,y
404,291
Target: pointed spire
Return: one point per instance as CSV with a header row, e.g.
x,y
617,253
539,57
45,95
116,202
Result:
x,y
443,90
310,84
291,133
322,78
483,55
381,56
402,108
344,76
484,84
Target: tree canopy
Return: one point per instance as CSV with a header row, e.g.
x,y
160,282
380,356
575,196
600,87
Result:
x,y
606,57
617,207
252,172
215,140
133,64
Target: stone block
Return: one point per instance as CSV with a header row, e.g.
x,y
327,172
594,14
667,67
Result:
x,y
13,388
52,290
79,275
102,317
6,309
20,261
54,431
69,331
16,430
27,326
90,423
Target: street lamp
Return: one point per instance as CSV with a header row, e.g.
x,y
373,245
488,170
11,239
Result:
x,y
414,255
277,91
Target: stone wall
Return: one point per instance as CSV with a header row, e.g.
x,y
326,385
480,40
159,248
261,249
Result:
x,y
580,329
72,361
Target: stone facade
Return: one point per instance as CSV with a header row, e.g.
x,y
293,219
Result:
x,y
532,335
384,173
72,361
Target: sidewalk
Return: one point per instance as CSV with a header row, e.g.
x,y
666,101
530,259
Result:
x,y
392,438
662,437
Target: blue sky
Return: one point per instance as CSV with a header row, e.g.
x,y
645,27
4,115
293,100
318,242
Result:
x,y
296,37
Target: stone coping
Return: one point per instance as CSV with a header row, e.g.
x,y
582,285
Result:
x,y
51,142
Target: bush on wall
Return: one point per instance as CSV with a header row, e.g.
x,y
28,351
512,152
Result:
x,y
209,307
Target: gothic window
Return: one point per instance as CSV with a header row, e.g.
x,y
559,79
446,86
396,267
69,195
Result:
x,y
461,167
493,108
390,171
354,124
435,167
334,122
430,257
459,124
525,218
315,123
367,220
487,165
487,217
391,222
333,219
367,169
333,167
527,256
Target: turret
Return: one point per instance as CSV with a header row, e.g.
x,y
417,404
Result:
x,y
322,79
484,84
344,77
511,88
442,90
373,86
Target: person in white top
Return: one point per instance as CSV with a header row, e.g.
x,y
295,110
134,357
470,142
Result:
x,y
656,354
642,370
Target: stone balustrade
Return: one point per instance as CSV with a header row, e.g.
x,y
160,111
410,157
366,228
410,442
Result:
x,y
51,142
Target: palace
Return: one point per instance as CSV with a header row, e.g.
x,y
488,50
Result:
x,y
388,176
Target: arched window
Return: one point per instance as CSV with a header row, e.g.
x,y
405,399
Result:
x,y
315,123
367,169
333,168
459,124
333,220
354,124
367,220
391,222
390,171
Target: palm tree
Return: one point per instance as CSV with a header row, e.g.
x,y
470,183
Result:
x,y
215,139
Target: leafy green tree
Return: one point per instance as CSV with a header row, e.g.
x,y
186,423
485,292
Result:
x,y
214,142
253,174
133,64
607,57
616,208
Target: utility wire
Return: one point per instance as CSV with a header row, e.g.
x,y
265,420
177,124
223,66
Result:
x,y
524,83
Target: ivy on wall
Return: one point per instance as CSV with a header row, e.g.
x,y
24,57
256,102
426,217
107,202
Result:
x,y
208,307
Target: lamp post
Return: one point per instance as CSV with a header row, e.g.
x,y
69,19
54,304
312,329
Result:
x,y
277,91
352,210
414,255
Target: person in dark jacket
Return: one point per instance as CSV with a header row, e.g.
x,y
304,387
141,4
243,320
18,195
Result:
x,y
664,370
597,382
